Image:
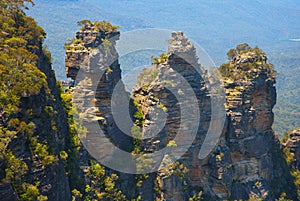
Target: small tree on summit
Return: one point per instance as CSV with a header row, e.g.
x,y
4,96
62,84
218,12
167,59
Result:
x,y
84,22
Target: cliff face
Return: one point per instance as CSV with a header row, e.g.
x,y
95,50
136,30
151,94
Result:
x,y
291,148
34,133
52,128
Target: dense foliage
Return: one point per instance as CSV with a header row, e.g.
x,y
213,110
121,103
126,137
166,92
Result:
x,y
20,41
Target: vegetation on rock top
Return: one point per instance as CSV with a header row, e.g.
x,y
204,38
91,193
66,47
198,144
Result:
x,y
246,63
103,26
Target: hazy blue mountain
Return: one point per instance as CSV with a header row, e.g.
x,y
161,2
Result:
x,y
215,25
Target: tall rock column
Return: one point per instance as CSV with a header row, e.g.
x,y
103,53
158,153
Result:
x,y
176,81
249,163
92,62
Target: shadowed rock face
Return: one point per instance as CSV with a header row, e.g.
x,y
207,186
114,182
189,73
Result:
x,y
249,139
49,129
7,193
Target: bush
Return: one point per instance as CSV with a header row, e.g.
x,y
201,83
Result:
x,y
42,152
77,41
31,193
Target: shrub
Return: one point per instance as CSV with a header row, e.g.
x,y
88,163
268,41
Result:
x,y
77,41
31,193
63,155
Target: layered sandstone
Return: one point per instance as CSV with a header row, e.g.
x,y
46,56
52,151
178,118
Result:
x,y
247,162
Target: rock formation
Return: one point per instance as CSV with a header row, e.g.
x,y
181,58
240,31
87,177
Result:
x,y
252,161
292,143
247,161
93,64
167,93
172,108
291,149
96,60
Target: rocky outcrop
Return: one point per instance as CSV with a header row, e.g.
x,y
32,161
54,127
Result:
x,y
94,66
291,148
163,101
247,161
88,38
96,60
292,143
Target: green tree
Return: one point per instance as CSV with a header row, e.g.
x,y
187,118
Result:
x,y
14,4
